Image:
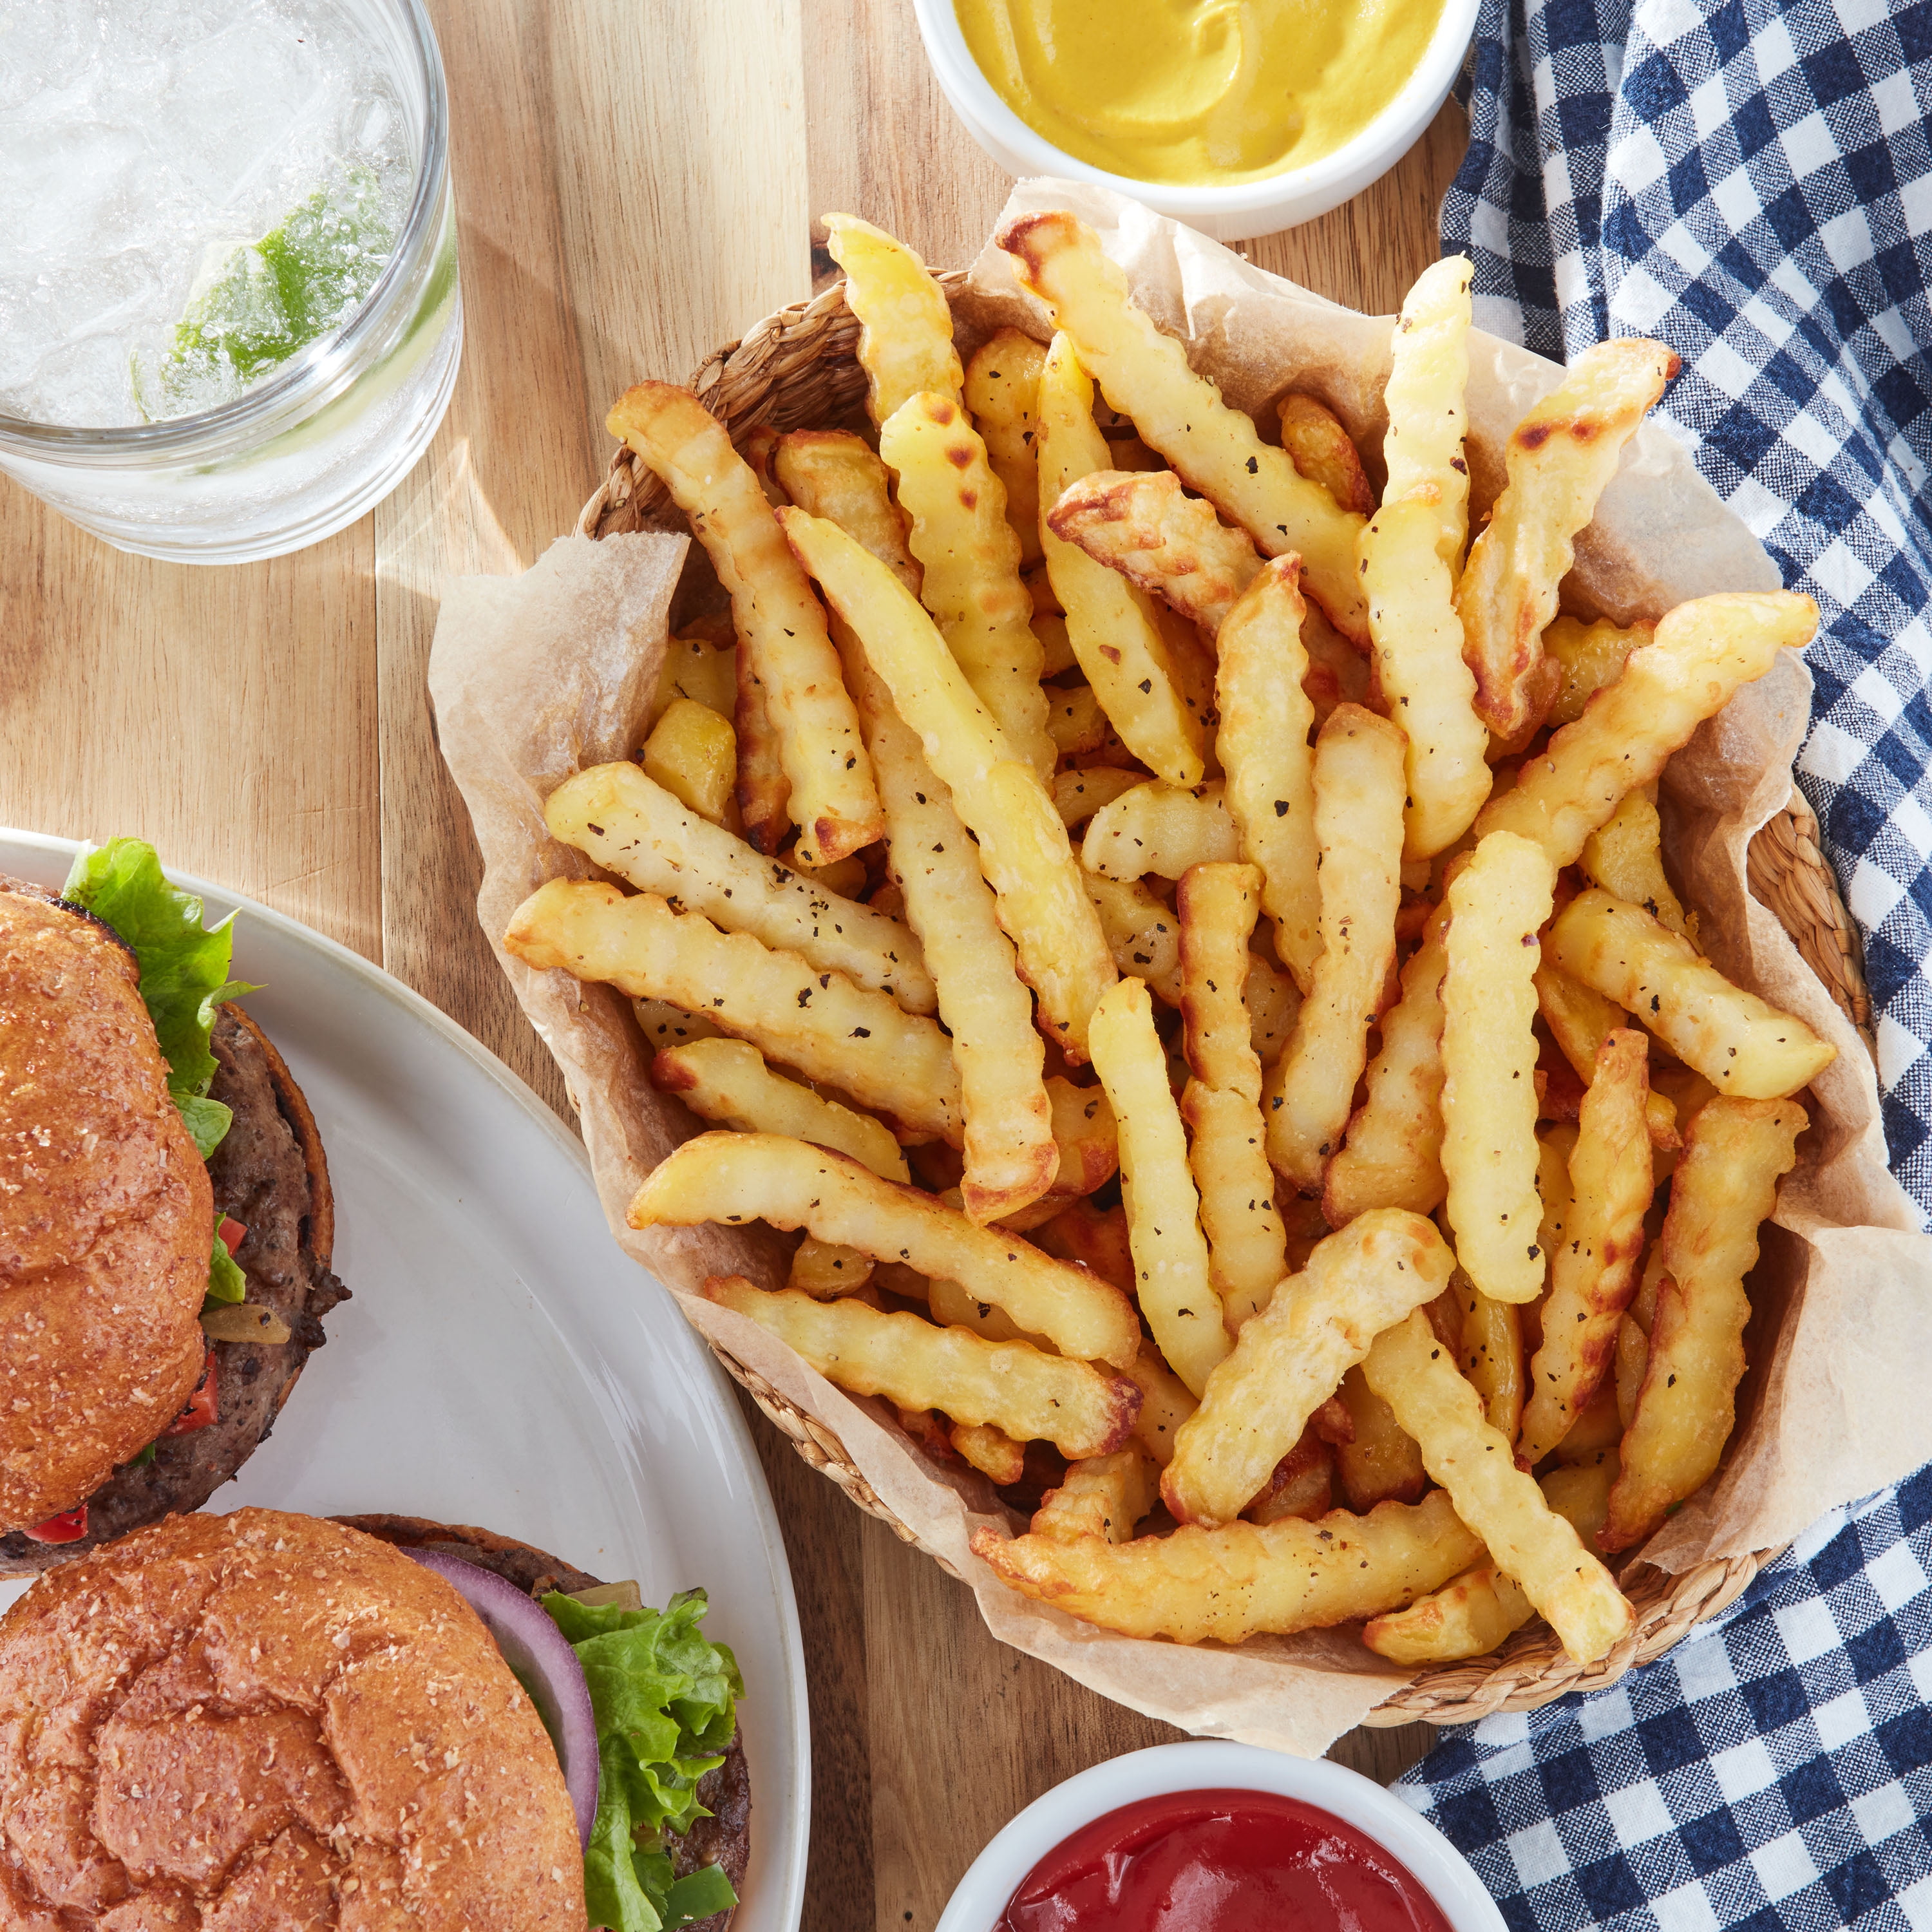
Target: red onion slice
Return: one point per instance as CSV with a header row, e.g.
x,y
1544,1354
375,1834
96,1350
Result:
x,y
546,1666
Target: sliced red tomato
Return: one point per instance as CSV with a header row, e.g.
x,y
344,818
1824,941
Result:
x,y
202,1406
69,1526
230,1232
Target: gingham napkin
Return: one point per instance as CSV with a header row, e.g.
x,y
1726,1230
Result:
x,y
1751,183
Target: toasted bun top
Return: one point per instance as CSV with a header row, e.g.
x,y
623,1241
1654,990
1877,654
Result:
x,y
105,1214
269,1723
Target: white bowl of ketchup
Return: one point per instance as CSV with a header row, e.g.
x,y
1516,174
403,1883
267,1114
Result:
x,y
1212,1837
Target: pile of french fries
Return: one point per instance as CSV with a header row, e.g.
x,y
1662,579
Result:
x,y
1186,947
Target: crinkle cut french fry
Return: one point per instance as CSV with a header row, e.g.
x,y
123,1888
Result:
x,y
1587,657
1010,1156
1166,1402
992,1451
1624,855
1358,802
781,624
1143,934
1160,828
740,1178
1085,1139
1489,1353
953,1307
1272,1000
905,322
1580,1019
618,816
1289,1358
1081,791
663,1024
1426,686
1322,451
863,1042
728,1081
1111,625
1103,1495
1247,1246
1263,744
1593,1273
1740,1043
824,1271
1075,720
1303,1484
1221,1586
1169,544
1411,1372
1176,1294
1497,905
1559,457
1725,1186
833,474
1429,374
764,792
969,559
1380,1461
1703,652
1008,1385
1003,392
1214,449
1024,850
1393,1155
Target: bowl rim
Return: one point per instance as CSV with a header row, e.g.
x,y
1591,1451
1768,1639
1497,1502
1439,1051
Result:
x,y
1397,123
1213,1764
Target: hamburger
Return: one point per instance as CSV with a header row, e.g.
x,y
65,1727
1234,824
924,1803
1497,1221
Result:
x,y
267,1720
166,1222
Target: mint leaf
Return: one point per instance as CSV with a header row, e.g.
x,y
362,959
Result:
x,y
225,1281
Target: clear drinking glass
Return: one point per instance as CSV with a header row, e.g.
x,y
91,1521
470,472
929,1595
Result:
x,y
313,443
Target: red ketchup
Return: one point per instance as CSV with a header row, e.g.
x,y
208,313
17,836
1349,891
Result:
x,y
1220,1862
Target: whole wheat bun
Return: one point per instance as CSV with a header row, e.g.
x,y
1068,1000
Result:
x,y
105,1214
269,1723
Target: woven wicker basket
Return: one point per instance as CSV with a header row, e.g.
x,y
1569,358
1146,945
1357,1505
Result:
x,y
799,369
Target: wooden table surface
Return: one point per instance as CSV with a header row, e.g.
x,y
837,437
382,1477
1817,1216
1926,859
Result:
x,y
635,184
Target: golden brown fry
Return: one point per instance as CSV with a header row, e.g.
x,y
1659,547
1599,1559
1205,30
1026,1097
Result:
x,y
1634,1336
1017,1389
824,1271
1081,791
1075,720
728,1081
863,1042
740,1178
1002,391
1358,800
833,474
1214,449
1428,373
1726,1185
1593,1273
1160,828
1247,1246
970,562
905,335
1094,1238
1497,903
622,818
1103,1495
1024,850
1380,1461
1587,657
1703,652
1393,1157
1580,1019
992,1451
1263,746
1166,1402
1176,1296
696,668
996,1050
1560,457
1169,544
1111,626
764,792
1739,1043
692,753
1303,1484
1625,855
1291,1356
781,624
1409,1369
1143,934
1221,1586
1595,1432
1321,450
1426,686
1489,1351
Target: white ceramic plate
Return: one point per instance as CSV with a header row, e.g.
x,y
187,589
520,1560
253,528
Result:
x,y
503,1362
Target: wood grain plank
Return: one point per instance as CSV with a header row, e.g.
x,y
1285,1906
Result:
x,y
225,715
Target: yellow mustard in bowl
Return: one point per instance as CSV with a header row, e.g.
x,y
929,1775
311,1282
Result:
x,y
1198,92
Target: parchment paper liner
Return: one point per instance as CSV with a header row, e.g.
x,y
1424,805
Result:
x,y
534,677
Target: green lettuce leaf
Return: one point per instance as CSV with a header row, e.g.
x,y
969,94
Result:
x,y
183,966
665,1700
225,1281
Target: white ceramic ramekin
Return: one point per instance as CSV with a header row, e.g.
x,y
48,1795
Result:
x,y
1227,214
1212,1766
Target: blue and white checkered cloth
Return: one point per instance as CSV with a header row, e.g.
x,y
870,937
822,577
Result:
x,y
1751,183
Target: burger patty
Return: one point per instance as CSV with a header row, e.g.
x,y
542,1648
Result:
x,y
724,1838
269,1174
